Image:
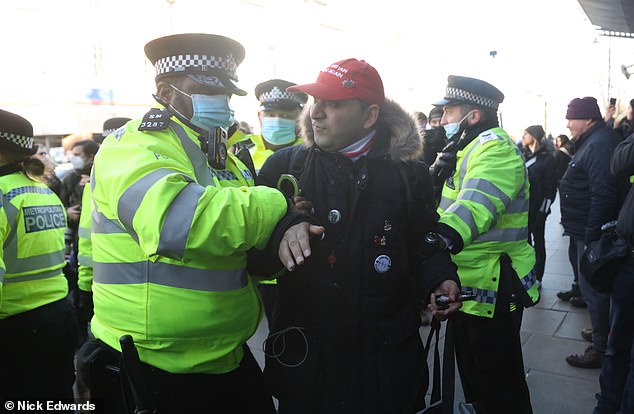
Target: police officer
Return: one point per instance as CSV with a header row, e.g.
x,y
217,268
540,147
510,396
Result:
x,y
278,115
39,329
174,216
84,256
484,223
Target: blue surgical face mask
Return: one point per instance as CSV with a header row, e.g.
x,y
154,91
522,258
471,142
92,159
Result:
x,y
278,131
453,128
210,111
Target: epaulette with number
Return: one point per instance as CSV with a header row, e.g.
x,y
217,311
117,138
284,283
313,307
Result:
x,y
155,120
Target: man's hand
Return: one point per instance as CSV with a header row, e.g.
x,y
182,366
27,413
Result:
x,y
450,289
295,245
73,213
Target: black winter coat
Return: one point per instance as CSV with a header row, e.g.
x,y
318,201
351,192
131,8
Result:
x,y
345,330
562,159
588,190
543,182
622,166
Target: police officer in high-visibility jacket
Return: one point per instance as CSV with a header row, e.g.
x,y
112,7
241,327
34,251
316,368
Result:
x,y
37,323
84,257
174,216
278,115
484,222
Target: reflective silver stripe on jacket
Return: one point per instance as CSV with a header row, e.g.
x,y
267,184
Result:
x,y
132,197
103,225
505,235
83,232
479,198
178,222
35,276
466,216
487,187
84,260
1,275
166,274
445,203
519,205
195,155
481,295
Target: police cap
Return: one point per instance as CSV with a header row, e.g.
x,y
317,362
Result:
x,y
16,134
471,91
112,124
210,60
272,94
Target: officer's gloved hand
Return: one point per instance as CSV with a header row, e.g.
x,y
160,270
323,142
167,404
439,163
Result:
x,y
443,167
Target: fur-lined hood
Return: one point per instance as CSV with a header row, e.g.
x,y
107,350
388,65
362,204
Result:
x,y
394,125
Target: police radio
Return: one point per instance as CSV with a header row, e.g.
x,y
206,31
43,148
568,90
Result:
x,y
215,146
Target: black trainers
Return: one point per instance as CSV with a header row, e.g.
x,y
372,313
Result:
x,y
586,333
567,294
578,302
590,359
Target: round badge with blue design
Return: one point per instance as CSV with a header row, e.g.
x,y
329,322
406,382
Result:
x,y
382,264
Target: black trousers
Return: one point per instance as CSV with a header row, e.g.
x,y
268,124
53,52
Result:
x,y
240,391
37,350
489,357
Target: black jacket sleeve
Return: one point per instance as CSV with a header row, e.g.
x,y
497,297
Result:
x,y
265,263
603,190
550,185
431,265
622,162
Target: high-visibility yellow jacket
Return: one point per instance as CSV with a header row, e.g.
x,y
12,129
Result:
x,y
260,153
486,202
84,257
32,225
169,242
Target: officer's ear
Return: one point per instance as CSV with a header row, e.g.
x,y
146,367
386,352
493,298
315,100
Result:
x,y
474,116
164,90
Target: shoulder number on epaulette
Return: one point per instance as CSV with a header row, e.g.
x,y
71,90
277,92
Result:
x,y
155,120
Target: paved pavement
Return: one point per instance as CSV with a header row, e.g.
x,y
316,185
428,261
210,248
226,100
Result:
x,y
550,332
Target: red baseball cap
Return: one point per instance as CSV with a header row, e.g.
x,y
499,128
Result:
x,y
346,79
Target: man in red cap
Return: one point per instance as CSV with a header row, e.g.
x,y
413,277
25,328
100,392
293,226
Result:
x,y
589,199
345,333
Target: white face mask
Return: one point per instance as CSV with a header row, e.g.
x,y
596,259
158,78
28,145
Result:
x,y
454,127
77,162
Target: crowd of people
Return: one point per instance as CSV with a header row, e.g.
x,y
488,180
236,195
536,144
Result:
x,y
136,279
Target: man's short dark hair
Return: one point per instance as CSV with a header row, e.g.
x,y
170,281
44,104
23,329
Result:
x,y
90,147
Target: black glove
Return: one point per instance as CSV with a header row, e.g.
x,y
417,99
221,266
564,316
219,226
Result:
x,y
443,167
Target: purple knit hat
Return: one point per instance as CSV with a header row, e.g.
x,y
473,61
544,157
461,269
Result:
x,y
583,108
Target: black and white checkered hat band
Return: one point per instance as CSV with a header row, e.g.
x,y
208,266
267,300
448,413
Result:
x,y
461,94
276,94
202,63
19,140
